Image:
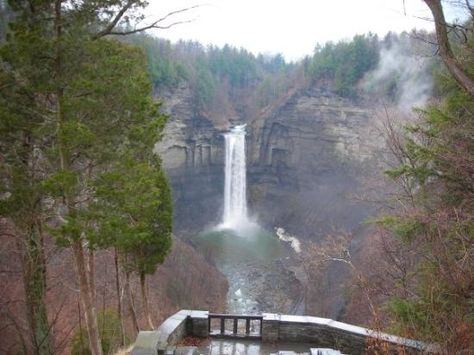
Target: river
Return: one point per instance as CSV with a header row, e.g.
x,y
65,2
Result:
x,y
258,267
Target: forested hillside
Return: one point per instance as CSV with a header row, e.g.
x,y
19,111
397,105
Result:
x,y
238,83
224,81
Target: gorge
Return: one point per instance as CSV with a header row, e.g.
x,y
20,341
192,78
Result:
x,y
315,150
315,146
306,156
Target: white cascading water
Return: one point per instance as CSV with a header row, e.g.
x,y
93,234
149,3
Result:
x,y
235,189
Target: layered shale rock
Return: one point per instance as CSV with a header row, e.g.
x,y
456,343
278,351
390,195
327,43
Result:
x,y
308,156
192,150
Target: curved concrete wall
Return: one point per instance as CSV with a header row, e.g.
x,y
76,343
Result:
x,y
320,332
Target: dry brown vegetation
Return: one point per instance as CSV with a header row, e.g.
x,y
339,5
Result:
x,y
184,280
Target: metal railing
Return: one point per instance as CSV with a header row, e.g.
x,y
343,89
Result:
x,y
247,330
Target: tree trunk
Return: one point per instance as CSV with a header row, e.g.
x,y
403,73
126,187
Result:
x,y
34,279
119,297
33,260
131,306
81,334
146,307
90,313
86,294
459,73
91,278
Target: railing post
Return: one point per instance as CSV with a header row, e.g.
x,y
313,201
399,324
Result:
x,y
236,320
251,331
222,325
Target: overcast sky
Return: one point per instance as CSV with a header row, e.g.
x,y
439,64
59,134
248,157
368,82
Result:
x,y
290,27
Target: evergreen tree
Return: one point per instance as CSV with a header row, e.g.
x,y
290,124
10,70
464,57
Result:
x,y
70,99
133,205
134,210
23,167
343,64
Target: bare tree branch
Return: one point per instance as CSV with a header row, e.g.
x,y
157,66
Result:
x,y
470,8
172,13
465,80
423,39
115,21
158,24
149,27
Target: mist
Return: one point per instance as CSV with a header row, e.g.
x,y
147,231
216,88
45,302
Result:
x,y
402,73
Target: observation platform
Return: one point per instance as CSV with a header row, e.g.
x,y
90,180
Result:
x,y
201,332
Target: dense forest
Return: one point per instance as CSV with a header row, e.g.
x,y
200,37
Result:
x,y
234,82
82,190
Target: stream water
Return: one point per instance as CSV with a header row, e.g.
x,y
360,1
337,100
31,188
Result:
x,y
252,263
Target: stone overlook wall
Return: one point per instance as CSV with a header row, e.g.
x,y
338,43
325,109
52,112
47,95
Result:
x,y
320,332
171,331
327,333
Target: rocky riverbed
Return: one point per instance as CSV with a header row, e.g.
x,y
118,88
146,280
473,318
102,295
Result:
x,y
259,268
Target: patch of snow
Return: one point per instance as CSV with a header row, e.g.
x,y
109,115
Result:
x,y
294,242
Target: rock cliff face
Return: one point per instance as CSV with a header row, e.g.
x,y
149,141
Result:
x,y
307,159
192,150
306,156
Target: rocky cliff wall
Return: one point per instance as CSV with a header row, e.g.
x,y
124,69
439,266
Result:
x,y
310,157
192,150
306,159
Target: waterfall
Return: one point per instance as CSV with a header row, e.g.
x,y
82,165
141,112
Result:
x,y
235,188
